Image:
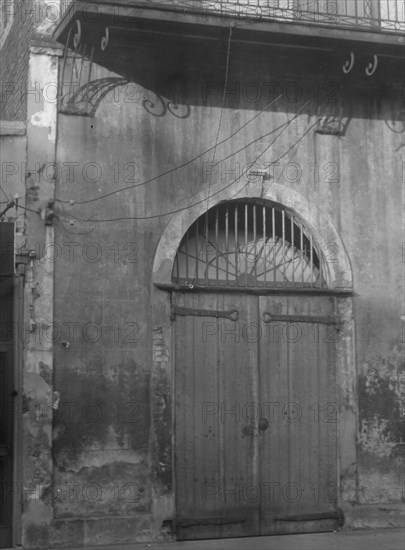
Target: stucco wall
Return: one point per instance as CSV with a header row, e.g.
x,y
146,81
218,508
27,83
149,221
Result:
x,y
106,466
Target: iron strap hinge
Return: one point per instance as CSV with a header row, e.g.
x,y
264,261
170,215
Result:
x,y
325,320
193,522
333,514
232,314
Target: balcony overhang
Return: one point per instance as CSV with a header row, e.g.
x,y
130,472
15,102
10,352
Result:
x,y
138,20
130,40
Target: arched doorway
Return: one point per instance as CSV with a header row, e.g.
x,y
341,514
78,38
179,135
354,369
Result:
x,y
258,359
255,376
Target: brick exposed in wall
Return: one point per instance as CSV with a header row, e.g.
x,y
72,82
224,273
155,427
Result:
x,y
14,57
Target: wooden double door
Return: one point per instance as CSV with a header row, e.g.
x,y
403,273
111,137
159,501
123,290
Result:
x,y
255,414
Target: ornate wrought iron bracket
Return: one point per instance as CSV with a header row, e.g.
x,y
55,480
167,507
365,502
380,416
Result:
x,y
331,118
232,314
348,64
372,66
324,320
78,94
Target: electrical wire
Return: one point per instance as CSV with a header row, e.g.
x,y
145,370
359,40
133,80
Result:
x,y
175,168
5,194
202,200
57,218
30,209
217,137
260,138
196,203
222,108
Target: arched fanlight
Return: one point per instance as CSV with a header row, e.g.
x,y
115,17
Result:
x,y
249,244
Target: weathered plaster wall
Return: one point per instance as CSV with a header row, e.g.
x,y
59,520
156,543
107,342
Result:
x,y
29,92
39,398
108,439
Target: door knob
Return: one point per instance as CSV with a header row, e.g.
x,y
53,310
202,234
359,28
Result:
x,y
263,424
248,430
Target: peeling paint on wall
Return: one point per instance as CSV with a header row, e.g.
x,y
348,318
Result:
x,y
44,84
382,405
381,438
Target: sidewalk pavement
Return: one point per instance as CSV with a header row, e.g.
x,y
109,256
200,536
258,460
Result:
x,y
378,539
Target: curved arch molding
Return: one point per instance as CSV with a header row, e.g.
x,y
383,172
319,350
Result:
x,y
338,272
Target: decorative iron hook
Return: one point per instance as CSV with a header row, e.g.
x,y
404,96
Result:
x,y
78,35
348,64
372,66
105,39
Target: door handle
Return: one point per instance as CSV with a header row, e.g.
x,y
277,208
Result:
x,y
248,430
263,424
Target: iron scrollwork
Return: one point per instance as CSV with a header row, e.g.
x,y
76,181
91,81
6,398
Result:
x,y
160,106
105,40
348,64
372,66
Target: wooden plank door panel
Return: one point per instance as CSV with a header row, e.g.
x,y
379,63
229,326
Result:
x,y
256,416
298,451
216,440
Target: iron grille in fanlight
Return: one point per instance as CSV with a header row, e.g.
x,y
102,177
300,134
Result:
x,y
249,244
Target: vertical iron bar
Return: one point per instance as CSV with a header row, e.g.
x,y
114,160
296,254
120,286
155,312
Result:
x,y
264,244
217,244
302,254
72,71
292,248
321,265
65,56
283,231
176,268
255,243
206,248
196,249
311,255
90,64
226,243
246,244
273,224
186,247
236,242
82,64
